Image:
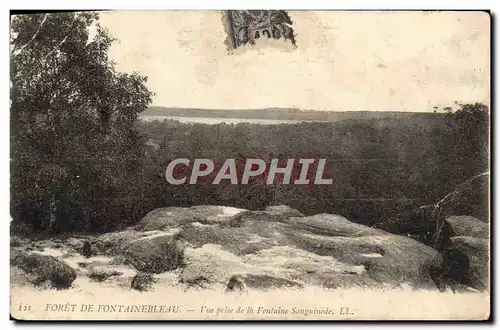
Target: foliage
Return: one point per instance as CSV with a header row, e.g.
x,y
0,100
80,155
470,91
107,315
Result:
x,y
142,282
74,149
380,167
44,268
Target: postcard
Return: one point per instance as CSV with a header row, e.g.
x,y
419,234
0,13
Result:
x,y
250,165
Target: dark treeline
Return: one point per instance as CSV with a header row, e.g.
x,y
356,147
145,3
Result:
x,y
379,167
280,114
81,161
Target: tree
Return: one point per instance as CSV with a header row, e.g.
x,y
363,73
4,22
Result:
x,y
464,144
73,141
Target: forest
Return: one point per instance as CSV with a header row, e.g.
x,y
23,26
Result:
x,y
82,161
380,167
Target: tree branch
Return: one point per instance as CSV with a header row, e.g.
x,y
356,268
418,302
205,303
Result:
x,y
64,39
17,52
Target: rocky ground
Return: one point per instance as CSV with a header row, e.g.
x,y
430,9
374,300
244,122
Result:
x,y
228,249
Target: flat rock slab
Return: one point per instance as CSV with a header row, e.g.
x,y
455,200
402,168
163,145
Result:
x,y
467,226
210,245
169,217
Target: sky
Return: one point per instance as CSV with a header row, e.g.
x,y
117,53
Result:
x,y
391,61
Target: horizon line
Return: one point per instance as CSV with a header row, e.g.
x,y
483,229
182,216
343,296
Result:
x,y
437,110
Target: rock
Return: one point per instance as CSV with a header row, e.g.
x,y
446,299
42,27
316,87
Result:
x,y
235,240
467,261
165,217
304,266
335,280
44,268
211,244
209,264
155,254
259,282
75,243
389,259
142,282
463,241
277,213
332,225
283,211
328,261
19,277
169,217
467,226
115,243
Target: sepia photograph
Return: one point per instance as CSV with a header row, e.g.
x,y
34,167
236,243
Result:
x,y
250,165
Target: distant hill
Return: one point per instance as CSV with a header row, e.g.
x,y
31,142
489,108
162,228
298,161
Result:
x,y
283,114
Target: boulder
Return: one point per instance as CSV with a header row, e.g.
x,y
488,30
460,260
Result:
x,y
209,264
335,280
170,217
328,250
211,244
259,282
332,225
74,243
235,240
155,254
387,258
467,261
467,226
19,277
308,268
276,213
42,269
270,232
114,243
282,211
292,262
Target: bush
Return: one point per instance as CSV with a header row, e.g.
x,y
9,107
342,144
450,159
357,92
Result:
x,y
142,282
16,241
88,250
44,268
101,275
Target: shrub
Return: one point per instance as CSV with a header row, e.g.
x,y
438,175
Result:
x,y
44,268
101,275
142,282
